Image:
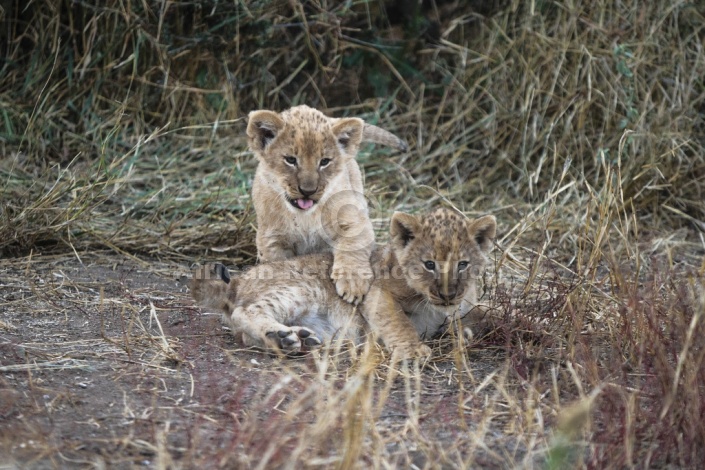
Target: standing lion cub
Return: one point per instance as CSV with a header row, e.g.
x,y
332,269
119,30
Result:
x,y
308,192
424,278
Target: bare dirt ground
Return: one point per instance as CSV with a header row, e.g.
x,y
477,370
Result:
x,y
107,362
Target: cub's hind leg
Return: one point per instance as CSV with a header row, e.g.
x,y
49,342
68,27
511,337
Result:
x,y
261,329
261,322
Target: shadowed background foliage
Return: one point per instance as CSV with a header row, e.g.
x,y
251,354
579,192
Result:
x,y
122,123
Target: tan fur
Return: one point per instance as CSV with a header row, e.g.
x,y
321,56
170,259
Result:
x,y
324,174
293,304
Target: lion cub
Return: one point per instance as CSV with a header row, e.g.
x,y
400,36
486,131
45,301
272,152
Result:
x,y
424,277
308,193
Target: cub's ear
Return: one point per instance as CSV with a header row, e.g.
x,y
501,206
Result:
x,y
404,228
262,128
348,134
483,230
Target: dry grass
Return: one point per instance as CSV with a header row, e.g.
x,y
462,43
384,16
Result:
x,y
579,125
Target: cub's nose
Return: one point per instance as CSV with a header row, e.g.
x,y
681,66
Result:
x,y
307,191
448,296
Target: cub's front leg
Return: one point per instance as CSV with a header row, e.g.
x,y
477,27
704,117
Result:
x,y
352,247
386,319
352,275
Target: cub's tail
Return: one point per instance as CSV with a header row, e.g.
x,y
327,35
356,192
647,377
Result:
x,y
212,287
378,135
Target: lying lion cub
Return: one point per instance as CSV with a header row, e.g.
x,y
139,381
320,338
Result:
x,y
424,277
308,193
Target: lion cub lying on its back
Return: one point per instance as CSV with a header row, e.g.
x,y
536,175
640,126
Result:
x,y
424,277
308,192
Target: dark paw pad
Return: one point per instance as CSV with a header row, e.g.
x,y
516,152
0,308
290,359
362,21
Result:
x,y
284,339
292,340
289,341
303,333
307,337
312,342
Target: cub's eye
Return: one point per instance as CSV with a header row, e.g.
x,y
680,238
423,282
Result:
x,y
462,265
430,265
290,160
324,162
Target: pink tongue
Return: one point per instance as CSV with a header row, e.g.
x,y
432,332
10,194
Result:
x,y
304,203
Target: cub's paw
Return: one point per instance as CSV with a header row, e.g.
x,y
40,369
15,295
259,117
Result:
x,y
352,283
293,339
412,351
421,351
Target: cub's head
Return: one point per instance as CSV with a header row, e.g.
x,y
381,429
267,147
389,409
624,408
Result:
x,y
441,253
304,150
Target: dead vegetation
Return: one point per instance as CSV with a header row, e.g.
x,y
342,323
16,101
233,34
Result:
x,y
580,125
